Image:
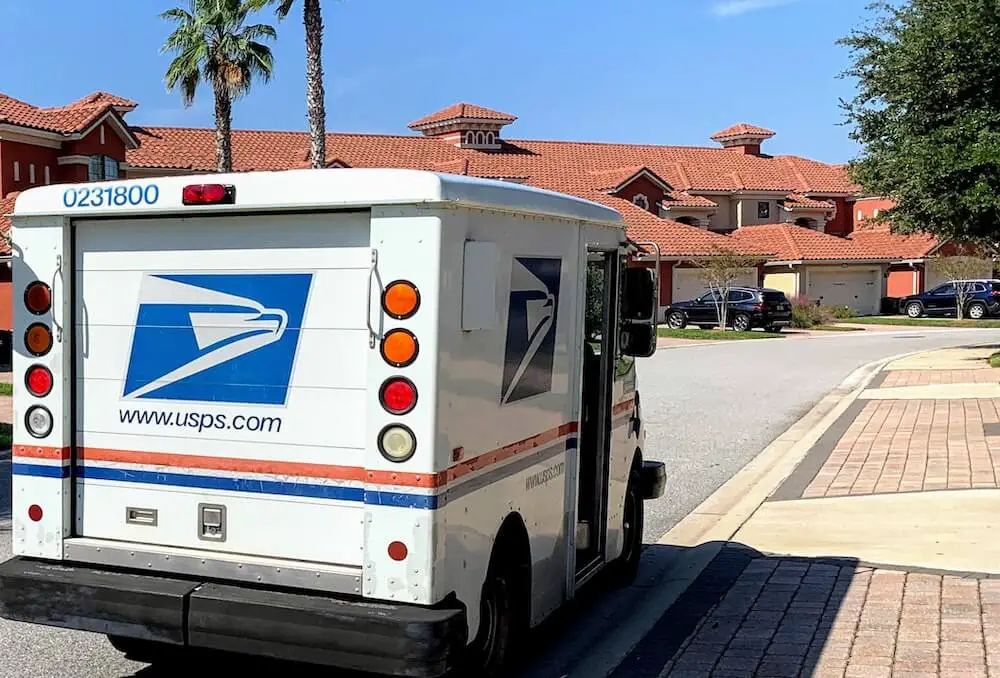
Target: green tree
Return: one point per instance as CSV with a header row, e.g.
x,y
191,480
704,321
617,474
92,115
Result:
x,y
212,41
312,19
927,113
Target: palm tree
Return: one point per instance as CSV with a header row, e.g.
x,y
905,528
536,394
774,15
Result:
x,y
212,42
312,18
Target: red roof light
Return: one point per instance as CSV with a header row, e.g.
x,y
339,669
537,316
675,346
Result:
x,y
209,194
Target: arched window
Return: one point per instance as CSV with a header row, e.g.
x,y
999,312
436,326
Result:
x,y
480,138
491,139
470,138
689,221
641,200
806,222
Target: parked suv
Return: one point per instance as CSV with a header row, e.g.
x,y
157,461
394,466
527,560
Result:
x,y
749,307
981,300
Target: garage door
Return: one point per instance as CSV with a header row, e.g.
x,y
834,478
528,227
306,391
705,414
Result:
x,y
688,284
854,288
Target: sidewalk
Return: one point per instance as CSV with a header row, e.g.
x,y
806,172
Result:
x,y
877,556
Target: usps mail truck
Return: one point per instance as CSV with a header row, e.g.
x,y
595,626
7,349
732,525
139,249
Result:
x,y
365,418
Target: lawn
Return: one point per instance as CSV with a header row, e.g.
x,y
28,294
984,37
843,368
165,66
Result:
x,y
715,335
6,389
995,360
924,322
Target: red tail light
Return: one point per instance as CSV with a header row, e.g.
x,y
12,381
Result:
x,y
39,381
209,194
398,396
759,307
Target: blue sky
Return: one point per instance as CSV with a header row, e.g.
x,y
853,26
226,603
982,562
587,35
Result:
x,y
651,71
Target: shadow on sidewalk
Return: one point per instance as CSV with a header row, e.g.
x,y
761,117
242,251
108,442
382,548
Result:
x,y
746,614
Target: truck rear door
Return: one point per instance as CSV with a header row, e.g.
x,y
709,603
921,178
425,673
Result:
x,y
219,369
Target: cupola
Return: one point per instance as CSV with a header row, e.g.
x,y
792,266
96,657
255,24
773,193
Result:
x,y
466,126
743,138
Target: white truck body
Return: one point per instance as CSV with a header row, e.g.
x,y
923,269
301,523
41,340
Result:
x,y
216,402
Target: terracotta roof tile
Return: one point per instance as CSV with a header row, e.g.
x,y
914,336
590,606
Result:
x,y
743,130
684,199
106,98
460,111
63,120
795,200
795,243
6,208
895,245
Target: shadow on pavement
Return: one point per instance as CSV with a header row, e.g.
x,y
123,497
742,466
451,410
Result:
x,y
746,614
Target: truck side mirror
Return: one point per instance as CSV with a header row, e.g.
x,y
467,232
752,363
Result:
x,y
639,298
638,340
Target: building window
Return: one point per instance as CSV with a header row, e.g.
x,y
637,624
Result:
x,y
102,168
641,200
861,215
47,175
763,210
17,171
470,138
875,213
102,135
31,173
481,138
491,139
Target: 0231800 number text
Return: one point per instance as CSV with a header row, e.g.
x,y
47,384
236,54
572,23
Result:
x,y
112,196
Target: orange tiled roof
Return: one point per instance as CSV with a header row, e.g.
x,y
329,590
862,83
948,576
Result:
x,y
896,245
106,98
796,200
463,111
6,208
685,199
742,130
796,243
70,119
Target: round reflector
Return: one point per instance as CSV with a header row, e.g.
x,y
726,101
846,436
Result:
x,y
38,421
398,550
35,513
401,299
38,380
396,443
38,339
38,297
398,395
399,348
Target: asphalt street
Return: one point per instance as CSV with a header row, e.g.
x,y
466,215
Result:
x,y
708,411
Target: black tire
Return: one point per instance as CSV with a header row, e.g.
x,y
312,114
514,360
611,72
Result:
x,y
504,610
676,320
976,311
742,323
625,568
914,309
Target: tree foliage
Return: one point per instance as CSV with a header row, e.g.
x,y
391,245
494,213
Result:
x,y
927,113
720,273
211,41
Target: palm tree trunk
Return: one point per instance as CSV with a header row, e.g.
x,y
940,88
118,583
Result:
x,y
315,96
223,129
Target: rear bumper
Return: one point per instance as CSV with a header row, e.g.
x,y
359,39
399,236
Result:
x,y
349,634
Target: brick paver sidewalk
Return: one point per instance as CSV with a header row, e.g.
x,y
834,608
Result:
x,y
785,618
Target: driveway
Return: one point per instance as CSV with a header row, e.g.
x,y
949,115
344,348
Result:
x,y
709,410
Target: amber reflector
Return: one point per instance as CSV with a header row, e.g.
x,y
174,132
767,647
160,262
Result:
x,y
38,298
400,299
399,348
38,339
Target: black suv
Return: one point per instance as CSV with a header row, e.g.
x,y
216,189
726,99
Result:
x,y
749,307
982,299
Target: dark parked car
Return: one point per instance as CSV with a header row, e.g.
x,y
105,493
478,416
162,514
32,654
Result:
x,y
982,299
749,307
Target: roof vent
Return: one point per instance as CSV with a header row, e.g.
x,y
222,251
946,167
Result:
x,y
465,126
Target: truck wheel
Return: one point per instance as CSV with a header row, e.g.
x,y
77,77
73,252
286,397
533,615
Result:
x,y
504,609
623,571
147,651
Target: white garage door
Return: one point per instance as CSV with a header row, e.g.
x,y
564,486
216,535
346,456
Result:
x,y
852,287
688,284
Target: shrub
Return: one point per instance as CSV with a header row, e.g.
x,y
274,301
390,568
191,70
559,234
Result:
x,y
842,312
806,314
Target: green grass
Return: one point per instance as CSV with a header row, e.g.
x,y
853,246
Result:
x,y
995,360
716,335
836,328
924,322
6,435
6,389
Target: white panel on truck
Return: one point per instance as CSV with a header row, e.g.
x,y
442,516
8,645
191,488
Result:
x,y
220,376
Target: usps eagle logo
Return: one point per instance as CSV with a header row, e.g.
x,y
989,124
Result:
x,y
531,328
226,338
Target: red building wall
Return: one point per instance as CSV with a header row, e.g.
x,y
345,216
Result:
x,y
903,281
647,188
26,155
113,145
841,223
866,208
